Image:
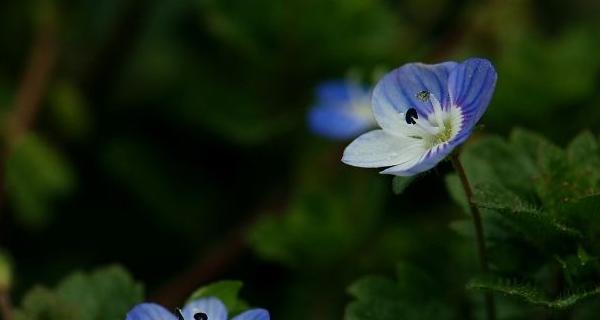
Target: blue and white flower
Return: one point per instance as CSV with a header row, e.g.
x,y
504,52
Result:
x,y
424,111
342,110
202,309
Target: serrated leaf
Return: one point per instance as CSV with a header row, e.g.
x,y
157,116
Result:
x,y
226,291
105,294
531,221
531,293
399,184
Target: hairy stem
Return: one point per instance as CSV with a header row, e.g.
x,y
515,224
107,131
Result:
x,y
490,305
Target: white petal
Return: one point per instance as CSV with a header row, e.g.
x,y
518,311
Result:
x,y
388,118
212,307
403,169
380,149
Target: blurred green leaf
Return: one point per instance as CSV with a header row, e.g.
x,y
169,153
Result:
x,y
69,110
327,217
105,294
399,184
227,291
412,296
6,271
37,175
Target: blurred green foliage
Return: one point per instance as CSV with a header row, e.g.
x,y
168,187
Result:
x,y
106,293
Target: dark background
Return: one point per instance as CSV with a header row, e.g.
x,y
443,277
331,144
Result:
x,y
171,137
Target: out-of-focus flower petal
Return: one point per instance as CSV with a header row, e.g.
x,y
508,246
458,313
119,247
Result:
x,y
336,122
254,314
333,91
380,149
342,110
212,307
150,311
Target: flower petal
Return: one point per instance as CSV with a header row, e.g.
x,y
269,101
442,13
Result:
x,y
333,91
428,160
254,314
213,307
380,149
149,311
397,92
471,86
337,122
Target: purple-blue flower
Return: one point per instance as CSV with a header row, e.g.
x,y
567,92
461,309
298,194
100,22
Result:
x,y
202,309
424,111
342,110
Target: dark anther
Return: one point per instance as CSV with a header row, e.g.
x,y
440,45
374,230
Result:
x,y
411,115
423,95
201,316
179,314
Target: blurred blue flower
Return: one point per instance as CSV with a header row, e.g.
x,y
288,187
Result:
x,y
342,110
202,309
424,112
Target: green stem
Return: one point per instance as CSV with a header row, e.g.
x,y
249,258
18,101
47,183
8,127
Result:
x,y
490,305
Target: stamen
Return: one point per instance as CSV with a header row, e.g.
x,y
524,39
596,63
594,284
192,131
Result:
x,y
201,316
179,314
437,110
427,127
411,115
413,118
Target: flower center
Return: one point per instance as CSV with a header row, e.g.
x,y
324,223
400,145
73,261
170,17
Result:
x,y
439,127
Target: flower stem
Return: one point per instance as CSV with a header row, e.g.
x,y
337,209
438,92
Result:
x,y
490,305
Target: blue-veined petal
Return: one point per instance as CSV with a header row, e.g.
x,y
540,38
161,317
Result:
x,y
380,149
397,92
429,160
471,86
149,311
254,314
212,307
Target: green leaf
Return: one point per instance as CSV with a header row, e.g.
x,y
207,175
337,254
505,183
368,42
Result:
x,y
531,293
37,175
457,193
399,184
69,110
105,294
531,221
226,291
379,298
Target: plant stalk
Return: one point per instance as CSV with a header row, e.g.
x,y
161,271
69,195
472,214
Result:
x,y
490,305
